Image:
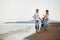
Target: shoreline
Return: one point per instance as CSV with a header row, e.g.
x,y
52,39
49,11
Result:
x,y
28,34
52,33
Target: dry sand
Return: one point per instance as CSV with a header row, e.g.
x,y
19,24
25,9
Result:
x,y
53,33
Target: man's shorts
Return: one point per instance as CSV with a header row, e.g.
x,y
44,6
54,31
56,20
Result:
x,y
36,24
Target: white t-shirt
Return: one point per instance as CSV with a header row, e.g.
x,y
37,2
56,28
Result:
x,y
37,16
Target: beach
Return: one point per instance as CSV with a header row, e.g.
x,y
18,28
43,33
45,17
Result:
x,y
52,33
27,32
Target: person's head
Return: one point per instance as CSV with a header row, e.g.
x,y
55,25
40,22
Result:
x,y
37,10
47,11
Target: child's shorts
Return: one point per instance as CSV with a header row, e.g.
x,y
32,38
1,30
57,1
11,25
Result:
x,y
42,25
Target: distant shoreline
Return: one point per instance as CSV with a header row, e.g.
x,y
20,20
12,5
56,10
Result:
x,y
25,22
32,21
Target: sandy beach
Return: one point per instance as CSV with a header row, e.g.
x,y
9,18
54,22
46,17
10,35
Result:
x,y
53,33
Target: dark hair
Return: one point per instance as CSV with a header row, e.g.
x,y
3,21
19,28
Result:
x,y
37,10
47,10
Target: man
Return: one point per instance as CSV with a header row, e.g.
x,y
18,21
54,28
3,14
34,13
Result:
x,y
36,17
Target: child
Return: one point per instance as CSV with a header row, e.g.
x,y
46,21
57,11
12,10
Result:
x,y
42,23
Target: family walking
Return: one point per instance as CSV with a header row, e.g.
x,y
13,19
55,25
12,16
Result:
x,y
44,20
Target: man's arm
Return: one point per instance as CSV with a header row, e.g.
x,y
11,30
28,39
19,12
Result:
x,y
34,16
40,18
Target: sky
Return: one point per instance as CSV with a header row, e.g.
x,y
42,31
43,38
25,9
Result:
x,y
23,10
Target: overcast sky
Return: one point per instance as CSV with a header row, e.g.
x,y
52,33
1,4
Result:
x,y
20,10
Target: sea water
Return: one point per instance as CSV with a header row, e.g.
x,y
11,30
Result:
x,y
16,31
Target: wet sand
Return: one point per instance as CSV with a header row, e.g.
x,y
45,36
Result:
x,y
53,33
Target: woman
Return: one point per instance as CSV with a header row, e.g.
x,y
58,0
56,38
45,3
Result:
x,y
46,19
